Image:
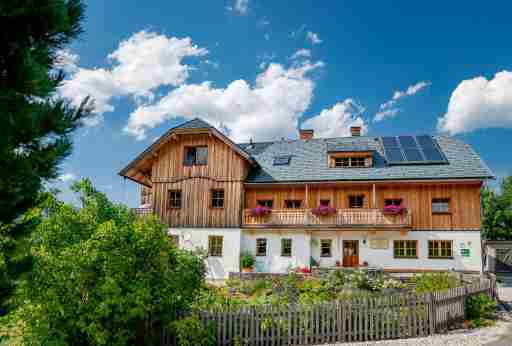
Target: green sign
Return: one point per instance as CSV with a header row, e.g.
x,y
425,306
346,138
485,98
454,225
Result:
x,y
465,252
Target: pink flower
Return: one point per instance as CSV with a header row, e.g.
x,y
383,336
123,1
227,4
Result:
x,y
323,210
260,210
393,209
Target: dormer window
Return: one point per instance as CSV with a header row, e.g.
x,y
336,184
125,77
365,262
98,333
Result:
x,y
196,156
282,160
350,159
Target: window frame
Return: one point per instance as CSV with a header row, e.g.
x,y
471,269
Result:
x,y
264,202
356,205
393,201
439,249
285,246
325,202
261,243
214,199
327,242
358,159
344,162
214,250
409,248
176,201
438,201
292,203
194,160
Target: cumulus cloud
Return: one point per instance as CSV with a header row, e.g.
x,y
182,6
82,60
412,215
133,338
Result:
x,y
66,61
479,103
388,109
313,37
301,53
67,177
336,121
140,64
268,109
240,7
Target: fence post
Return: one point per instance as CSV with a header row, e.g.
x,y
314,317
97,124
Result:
x,y
431,313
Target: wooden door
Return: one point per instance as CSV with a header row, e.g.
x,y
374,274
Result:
x,y
351,253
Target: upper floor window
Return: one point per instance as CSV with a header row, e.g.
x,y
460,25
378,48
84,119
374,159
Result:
x,y
342,162
357,162
293,203
440,205
346,160
325,202
261,247
174,199
217,198
215,245
282,160
195,156
265,203
356,201
392,201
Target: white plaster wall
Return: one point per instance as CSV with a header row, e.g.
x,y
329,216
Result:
x,y
273,262
383,258
197,238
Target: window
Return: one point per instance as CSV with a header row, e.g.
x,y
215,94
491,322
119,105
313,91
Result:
x,y
175,239
174,199
261,247
195,156
405,248
393,201
326,248
440,205
292,203
356,201
325,202
357,162
217,198
215,245
440,249
282,160
265,203
342,162
286,248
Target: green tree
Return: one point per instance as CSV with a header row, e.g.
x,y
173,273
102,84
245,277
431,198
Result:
x,y
497,212
99,271
35,135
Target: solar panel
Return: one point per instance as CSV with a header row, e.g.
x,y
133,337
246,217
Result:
x,y
411,150
394,154
389,142
282,160
430,149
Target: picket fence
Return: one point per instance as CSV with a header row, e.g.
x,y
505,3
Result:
x,y
355,319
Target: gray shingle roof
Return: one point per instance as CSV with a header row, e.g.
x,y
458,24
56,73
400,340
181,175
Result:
x,y
195,123
310,161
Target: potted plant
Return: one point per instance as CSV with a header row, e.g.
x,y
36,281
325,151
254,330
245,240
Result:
x,y
260,210
323,210
393,209
247,262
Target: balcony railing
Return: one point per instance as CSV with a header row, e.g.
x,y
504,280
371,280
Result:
x,y
342,218
140,212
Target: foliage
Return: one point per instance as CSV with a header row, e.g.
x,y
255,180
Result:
x,y
480,309
37,126
99,272
430,282
247,260
497,212
190,331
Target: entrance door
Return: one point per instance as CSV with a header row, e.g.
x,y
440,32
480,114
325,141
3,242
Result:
x,y
351,253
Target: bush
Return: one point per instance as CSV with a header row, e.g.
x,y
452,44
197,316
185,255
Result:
x,y
247,260
480,309
432,282
190,331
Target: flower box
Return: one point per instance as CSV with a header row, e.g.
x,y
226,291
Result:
x,y
393,209
260,210
323,210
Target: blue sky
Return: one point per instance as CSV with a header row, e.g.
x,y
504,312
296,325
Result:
x,y
261,68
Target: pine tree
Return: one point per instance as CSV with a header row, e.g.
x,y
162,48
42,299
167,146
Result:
x,y
36,129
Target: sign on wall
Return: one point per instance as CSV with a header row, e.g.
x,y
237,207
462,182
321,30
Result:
x,y
379,243
465,253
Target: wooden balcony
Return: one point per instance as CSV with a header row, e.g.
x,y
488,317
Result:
x,y
343,218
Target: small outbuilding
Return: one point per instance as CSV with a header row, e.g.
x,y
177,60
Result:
x,y
497,256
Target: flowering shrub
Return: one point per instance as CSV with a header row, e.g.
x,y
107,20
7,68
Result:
x,y
323,210
393,209
303,270
260,210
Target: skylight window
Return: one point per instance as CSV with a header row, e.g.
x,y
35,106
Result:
x,y
282,160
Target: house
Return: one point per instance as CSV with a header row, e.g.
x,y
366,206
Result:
x,y
406,203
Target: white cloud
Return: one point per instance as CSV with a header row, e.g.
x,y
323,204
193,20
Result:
x,y
301,53
240,7
479,103
267,110
66,61
142,63
388,110
313,37
67,177
336,121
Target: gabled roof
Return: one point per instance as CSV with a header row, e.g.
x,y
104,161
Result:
x,y
137,170
309,162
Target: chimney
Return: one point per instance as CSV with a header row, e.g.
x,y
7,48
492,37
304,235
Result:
x,y
355,131
306,134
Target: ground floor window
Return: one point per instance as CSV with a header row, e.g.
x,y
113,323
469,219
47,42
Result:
x,y
261,247
405,248
440,249
215,245
326,248
286,248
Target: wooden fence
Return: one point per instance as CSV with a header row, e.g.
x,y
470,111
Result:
x,y
356,319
